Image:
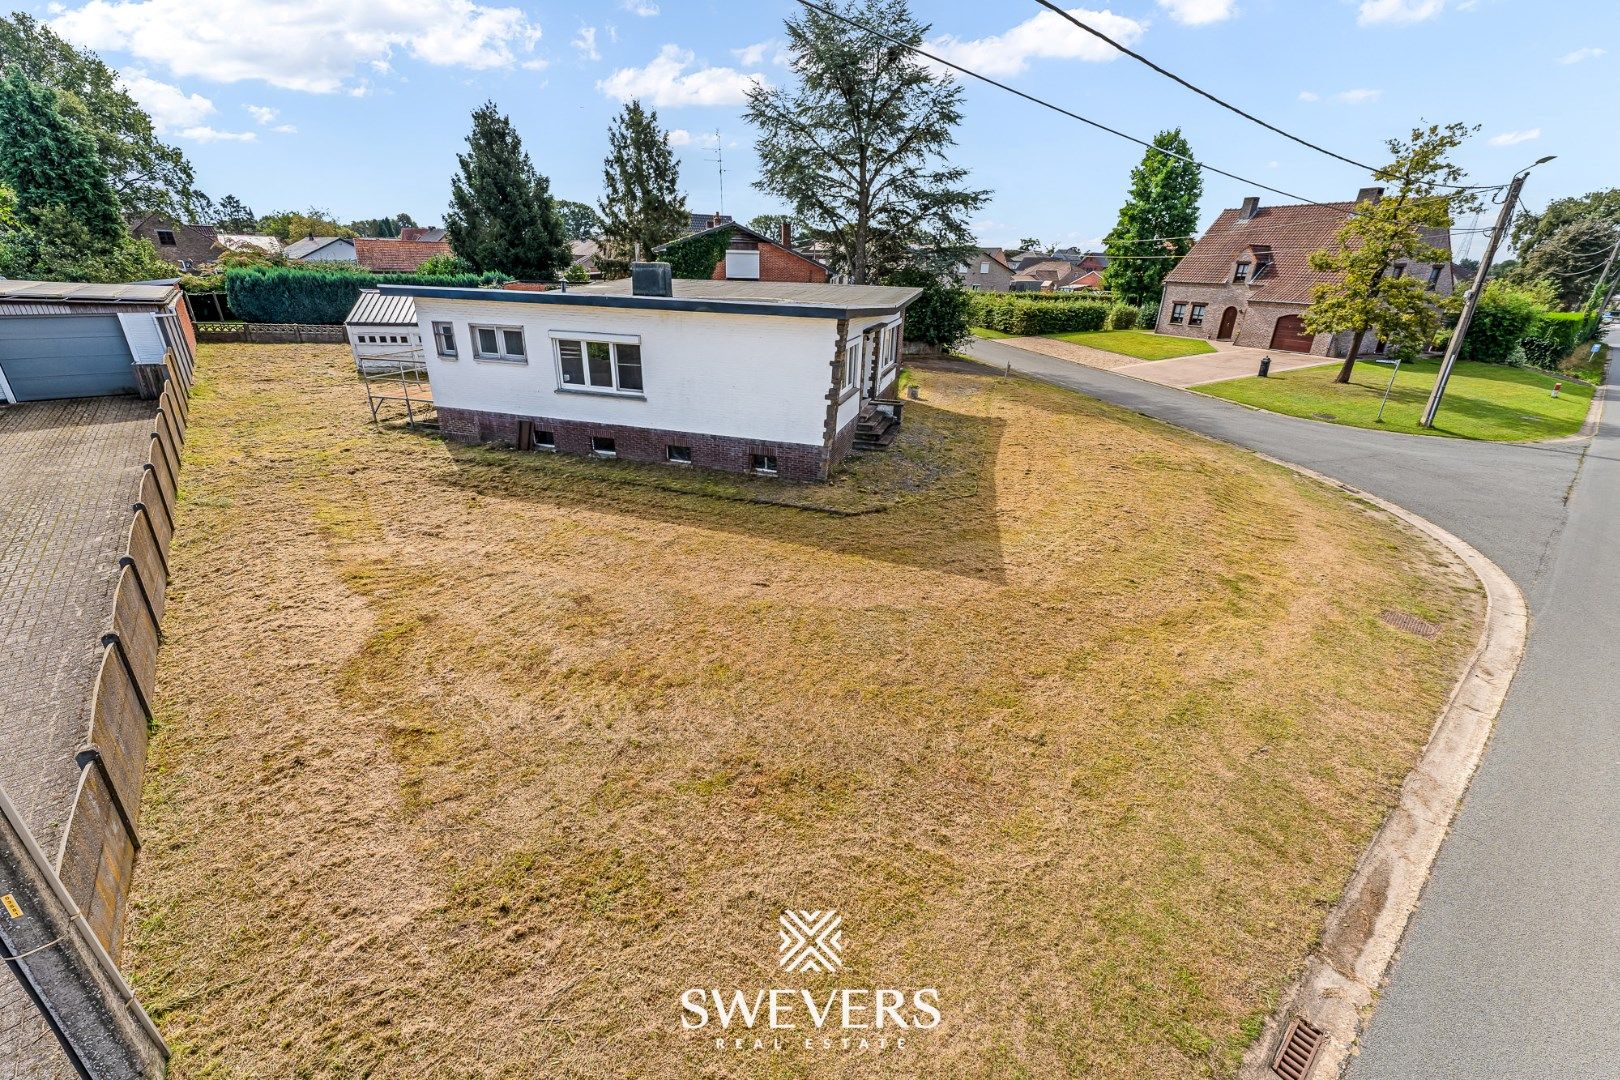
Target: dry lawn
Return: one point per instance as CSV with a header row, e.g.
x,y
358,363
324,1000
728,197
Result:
x,y
469,762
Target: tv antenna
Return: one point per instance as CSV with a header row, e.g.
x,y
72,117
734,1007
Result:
x,y
720,167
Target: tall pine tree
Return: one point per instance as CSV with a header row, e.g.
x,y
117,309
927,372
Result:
x,y
1157,222
49,162
502,216
641,201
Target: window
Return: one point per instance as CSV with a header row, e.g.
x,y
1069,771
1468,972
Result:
x,y
603,447
679,455
891,348
1262,264
1197,316
543,440
852,364
1240,273
1434,277
1400,271
1178,311
603,366
165,237
444,338
984,268
764,464
503,344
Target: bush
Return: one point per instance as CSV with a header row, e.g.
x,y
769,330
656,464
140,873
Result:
x,y
1013,314
1148,318
283,294
1124,317
1503,318
445,266
939,317
1553,336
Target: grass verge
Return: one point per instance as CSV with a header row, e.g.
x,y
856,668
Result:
x,y
1482,401
468,762
1142,344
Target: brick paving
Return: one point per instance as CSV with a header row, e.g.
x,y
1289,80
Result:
x,y
69,471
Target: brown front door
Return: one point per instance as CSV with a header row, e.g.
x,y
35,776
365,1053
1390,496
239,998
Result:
x,y
1228,324
1290,334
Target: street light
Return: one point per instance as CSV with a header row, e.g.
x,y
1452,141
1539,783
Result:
x,y
1454,347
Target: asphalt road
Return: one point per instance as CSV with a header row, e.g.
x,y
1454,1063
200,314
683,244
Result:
x,y
1511,966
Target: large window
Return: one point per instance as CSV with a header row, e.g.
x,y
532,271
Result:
x,y
165,237
1178,311
611,366
1197,316
444,338
502,344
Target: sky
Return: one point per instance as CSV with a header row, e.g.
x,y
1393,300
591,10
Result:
x,y
360,106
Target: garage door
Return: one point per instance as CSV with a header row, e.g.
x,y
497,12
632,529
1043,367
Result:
x,y
64,356
1290,334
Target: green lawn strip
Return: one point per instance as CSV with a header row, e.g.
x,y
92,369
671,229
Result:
x,y
985,332
1585,364
1483,401
1142,344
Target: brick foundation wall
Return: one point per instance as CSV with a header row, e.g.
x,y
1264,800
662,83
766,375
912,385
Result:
x,y
794,461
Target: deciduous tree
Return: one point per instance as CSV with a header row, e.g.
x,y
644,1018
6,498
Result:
x,y
1157,222
501,215
641,202
580,220
859,145
48,162
1365,293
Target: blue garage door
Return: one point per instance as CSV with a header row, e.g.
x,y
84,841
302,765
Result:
x,y
64,356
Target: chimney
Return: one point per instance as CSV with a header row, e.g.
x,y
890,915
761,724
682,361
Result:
x,y
1369,194
651,279
1251,207
785,233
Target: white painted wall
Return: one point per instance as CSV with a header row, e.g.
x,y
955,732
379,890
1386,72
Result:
x,y
850,407
745,376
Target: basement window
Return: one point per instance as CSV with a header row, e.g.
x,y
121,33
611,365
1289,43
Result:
x,y
763,464
604,447
544,440
679,455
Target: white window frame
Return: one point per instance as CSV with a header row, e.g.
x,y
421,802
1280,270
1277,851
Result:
x,y
585,339
438,342
501,356
984,268
852,366
888,348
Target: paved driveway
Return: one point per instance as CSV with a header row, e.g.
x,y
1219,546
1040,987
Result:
x,y
69,471
1226,362
1511,967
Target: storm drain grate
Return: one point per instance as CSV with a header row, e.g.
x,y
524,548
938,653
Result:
x,y
1298,1050
1400,620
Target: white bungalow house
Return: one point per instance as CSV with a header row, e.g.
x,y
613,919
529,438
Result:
x,y
777,378
383,333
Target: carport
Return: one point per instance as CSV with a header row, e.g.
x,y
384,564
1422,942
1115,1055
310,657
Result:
x,y
73,340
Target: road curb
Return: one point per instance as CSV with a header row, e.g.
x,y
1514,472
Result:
x,y
1339,986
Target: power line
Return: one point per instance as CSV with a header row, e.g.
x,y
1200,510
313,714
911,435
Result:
x,y
1049,105
1223,103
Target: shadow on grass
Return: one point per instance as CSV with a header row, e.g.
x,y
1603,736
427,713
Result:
x,y
928,502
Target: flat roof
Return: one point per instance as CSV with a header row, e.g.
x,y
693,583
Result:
x,y
791,298
79,292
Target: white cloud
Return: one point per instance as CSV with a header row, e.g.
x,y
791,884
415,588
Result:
x,y
285,129
666,82
1398,11
1591,52
1044,36
754,55
679,137
204,133
1309,95
640,7
1357,97
264,114
585,42
1199,12
169,106
307,45
1514,138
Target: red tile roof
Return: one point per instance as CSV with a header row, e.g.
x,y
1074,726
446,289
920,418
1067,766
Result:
x,y
396,255
1291,232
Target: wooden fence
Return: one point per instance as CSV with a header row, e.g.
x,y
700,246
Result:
x,y
276,334
102,836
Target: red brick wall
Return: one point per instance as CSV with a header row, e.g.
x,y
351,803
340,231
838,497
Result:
x,y
779,264
794,461
182,309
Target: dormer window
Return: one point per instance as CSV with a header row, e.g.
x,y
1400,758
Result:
x,y
1240,273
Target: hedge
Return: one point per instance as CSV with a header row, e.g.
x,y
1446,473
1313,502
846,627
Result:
x,y
1553,336
285,294
1013,314
695,257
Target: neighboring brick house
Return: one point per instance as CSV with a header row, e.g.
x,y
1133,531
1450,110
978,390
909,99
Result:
x,y
396,256
987,270
1248,280
753,256
186,246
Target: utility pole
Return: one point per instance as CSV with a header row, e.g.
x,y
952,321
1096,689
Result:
x,y
1604,306
1454,347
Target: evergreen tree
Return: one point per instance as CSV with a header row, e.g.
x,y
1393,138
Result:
x,y
1159,218
501,214
49,162
235,216
641,202
859,148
